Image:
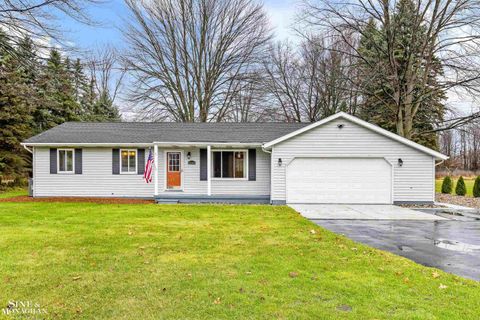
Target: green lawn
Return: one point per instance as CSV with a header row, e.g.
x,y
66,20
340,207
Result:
x,y
468,184
86,261
13,193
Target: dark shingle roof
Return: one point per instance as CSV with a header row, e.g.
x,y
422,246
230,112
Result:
x,y
148,132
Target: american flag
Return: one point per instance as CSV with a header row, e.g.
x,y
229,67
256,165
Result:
x,y
147,175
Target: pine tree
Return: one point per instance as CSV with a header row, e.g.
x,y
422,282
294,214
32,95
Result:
x,y
58,94
460,188
15,112
36,96
80,82
379,106
104,109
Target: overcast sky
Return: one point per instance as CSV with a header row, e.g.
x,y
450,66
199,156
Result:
x,y
112,13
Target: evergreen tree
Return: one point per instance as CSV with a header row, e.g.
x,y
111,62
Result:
x,y
104,110
379,106
15,111
447,185
460,188
36,96
58,95
80,82
476,187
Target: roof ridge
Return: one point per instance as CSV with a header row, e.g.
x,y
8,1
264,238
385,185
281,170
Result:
x,y
183,123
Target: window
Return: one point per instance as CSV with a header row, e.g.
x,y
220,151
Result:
x,y
229,164
65,160
128,161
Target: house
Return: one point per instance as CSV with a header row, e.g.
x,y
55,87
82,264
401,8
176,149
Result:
x,y
340,159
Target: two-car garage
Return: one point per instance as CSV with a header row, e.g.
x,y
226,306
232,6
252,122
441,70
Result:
x,y
339,180
345,160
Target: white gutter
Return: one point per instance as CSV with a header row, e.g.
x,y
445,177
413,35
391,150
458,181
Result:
x,y
205,144
66,144
162,144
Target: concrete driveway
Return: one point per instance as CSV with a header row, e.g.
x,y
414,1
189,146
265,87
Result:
x,y
361,212
450,245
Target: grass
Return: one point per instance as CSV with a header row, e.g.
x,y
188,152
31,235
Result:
x,y
468,183
13,193
86,261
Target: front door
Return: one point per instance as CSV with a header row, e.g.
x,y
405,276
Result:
x,y
174,170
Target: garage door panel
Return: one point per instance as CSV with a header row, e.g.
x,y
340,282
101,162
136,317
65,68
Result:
x,y
339,180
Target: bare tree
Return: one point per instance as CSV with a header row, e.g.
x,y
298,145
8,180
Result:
x,y
311,82
107,73
250,103
186,56
38,19
437,35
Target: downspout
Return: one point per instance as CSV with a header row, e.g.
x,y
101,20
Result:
x,y
271,170
31,182
437,164
26,148
265,150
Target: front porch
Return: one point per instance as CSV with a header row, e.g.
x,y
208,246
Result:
x,y
211,173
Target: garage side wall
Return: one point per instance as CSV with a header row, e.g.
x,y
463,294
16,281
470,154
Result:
x,y
413,182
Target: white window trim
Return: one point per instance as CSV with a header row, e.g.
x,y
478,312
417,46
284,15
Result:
x,y
120,161
73,161
245,164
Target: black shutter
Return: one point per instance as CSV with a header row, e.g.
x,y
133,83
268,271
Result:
x,y
140,161
78,161
203,164
115,161
252,164
53,161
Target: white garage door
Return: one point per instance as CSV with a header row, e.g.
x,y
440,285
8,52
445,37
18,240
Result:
x,y
339,180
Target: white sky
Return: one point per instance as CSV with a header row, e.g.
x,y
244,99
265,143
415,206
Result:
x,y
282,14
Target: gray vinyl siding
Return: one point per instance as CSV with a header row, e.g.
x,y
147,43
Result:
x,y
193,185
414,181
97,178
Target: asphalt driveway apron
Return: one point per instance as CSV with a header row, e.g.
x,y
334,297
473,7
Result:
x,y
450,245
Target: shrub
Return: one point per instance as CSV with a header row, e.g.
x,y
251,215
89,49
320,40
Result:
x,y
447,185
20,182
460,188
476,187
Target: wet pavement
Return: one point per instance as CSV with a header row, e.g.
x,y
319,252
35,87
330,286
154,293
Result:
x,y
450,245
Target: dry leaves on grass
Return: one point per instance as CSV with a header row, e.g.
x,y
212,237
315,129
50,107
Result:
x,y
78,199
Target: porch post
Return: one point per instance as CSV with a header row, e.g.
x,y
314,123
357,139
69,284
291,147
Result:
x,y
155,168
209,169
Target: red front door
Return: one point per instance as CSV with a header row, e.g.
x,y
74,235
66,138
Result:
x,y
174,170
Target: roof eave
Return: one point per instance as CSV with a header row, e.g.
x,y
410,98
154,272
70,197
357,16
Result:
x,y
129,144
363,123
